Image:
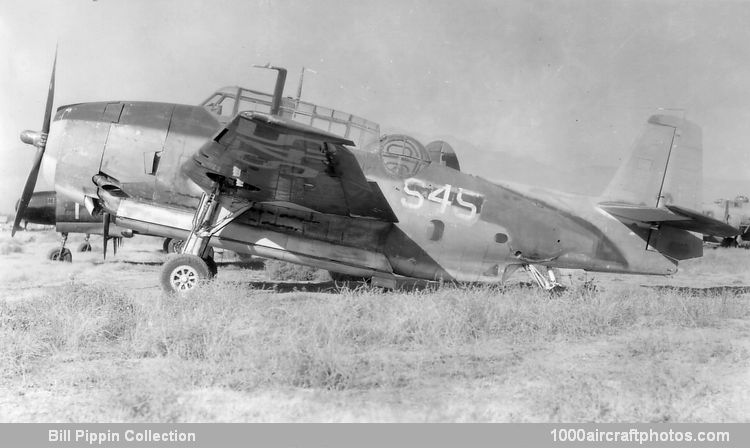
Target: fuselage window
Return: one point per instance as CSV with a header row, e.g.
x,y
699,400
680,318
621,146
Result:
x,y
436,230
501,238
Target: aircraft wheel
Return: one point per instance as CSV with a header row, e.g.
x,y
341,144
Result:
x,y
55,255
174,246
211,266
84,247
184,272
165,245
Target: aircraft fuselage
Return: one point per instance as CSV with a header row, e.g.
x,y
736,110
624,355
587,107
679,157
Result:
x,y
450,225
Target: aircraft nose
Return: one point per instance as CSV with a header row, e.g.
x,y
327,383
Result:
x,y
49,161
75,147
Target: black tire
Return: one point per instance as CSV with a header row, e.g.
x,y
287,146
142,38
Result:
x,y
184,272
211,266
175,246
165,245
84,247
54,255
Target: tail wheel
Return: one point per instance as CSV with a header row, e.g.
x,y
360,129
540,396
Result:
x,y
184,272
57,255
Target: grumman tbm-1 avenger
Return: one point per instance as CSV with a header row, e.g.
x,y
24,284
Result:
x,y
285,179
68,217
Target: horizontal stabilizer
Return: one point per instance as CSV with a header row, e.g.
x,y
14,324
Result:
x,y
672,216
703,224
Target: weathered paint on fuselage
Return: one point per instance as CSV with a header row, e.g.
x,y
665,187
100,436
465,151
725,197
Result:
x,y
516,225
140,144
440,233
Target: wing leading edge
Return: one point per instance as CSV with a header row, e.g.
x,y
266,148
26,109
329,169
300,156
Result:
x,y
274,159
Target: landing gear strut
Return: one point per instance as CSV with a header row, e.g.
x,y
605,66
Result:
x,y
61,253
546,280
85,246
195,262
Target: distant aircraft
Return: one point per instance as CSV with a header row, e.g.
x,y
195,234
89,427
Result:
x,y
67,217
289,180
735,212
70,217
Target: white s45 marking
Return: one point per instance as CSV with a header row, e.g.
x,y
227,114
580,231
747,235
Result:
x,y
465,204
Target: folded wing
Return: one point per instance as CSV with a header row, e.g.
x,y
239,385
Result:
x,y
269,158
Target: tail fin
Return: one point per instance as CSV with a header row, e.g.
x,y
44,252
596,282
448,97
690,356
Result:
x,y
658,190
664,168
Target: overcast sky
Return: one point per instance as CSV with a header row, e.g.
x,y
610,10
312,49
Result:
x,y
566,82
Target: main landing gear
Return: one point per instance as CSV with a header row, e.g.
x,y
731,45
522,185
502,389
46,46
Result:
x,y
184,272
195,264
172,246
85,246
544,277
61,253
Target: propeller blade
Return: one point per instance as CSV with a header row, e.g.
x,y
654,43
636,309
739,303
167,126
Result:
x,y
50,98
28,188
105,233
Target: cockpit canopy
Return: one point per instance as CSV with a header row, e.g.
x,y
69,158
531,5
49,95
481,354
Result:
x,y
227,102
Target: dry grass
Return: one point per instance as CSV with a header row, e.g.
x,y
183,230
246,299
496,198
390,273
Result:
x,y
97,341
283,271
717,261
456,354
10,246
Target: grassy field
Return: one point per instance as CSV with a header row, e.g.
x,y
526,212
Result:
x,y
97,341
